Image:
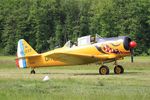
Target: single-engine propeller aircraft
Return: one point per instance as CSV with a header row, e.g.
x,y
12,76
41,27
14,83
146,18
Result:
x,y
87,50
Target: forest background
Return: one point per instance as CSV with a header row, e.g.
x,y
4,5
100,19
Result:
x,y
46,24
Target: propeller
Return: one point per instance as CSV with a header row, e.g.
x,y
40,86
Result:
x,y
132,45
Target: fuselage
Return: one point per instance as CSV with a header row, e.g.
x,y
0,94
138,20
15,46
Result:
x,y
104,46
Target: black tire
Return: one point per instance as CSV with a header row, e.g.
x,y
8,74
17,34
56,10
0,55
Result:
x,y
104,70
33,71
118,69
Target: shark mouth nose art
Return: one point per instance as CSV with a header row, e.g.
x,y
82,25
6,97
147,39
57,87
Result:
x,y
107,49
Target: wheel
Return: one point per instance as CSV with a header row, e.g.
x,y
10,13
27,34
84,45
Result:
x,y
118,69
33,71
104,70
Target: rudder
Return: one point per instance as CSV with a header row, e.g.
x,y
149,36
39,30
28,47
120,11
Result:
x,y
23,50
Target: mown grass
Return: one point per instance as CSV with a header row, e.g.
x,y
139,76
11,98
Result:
x,y
75,82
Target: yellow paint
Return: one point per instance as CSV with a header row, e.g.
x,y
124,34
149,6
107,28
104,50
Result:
x,y
28,50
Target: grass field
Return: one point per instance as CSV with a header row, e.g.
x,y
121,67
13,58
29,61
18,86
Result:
x,y
75,82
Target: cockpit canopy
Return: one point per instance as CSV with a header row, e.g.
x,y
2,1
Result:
x,y
82,41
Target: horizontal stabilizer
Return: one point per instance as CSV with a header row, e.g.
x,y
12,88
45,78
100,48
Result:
x,y
38,55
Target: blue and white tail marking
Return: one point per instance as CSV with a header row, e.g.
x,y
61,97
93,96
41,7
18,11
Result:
x,y
21,53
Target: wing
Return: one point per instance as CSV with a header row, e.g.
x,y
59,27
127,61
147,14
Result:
x,y
73,58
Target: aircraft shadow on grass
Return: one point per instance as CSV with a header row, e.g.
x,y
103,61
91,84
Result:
x,y
89,74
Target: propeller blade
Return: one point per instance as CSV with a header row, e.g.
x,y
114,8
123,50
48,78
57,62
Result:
x,y
132,55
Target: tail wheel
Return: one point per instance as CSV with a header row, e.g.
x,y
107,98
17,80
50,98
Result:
x,y
118,69
104,70
32,71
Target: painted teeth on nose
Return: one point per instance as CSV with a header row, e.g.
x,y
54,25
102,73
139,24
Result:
x,y
107,50
104,48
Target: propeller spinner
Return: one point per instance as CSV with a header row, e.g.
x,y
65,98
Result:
x,y
132,44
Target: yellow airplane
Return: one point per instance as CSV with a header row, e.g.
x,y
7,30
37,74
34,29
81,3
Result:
x,y
87,50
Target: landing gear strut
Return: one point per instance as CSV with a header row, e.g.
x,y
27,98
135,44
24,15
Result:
x,y
32,71
104,70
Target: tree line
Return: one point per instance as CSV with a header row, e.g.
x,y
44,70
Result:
x,y
46,24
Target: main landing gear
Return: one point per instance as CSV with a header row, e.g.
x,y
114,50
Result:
x,y
104,70
32,71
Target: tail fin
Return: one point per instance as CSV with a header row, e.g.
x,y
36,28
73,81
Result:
x,y
23,50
